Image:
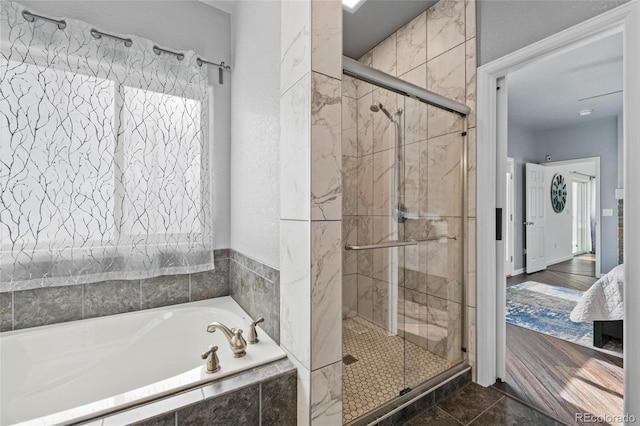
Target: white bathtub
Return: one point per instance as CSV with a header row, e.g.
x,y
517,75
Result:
x,y
75,371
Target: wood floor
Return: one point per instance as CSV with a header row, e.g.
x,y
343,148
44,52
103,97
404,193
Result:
x,y
556,376
561,378
579,265
561,275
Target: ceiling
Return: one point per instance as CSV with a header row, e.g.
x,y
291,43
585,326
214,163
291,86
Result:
x,y
547,94
372,22
376,20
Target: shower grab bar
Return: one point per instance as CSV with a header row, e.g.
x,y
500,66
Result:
x,y
395,243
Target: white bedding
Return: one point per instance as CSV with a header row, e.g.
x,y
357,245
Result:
x,y
604,299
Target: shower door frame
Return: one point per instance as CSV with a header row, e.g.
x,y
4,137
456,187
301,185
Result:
x,y
380,79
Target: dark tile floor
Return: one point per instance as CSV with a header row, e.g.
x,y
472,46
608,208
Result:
x,y
478,406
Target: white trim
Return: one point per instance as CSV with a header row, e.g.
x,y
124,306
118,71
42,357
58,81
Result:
x,y
518,272
560,260
625,18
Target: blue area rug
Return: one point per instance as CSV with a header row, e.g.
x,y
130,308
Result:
x,y
546,308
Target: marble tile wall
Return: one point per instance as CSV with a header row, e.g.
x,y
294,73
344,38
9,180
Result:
x,y
256,288
437,51
312,200
264,395
52,305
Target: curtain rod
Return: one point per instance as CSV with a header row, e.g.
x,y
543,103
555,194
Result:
x,y
583,174
31,17
62,24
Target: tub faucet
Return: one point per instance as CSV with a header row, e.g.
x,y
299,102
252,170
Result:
x,y
253,334
234,336
213,363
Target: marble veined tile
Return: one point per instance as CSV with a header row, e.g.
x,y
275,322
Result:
x,y
326,395
384,229
443,176
326,148
365,185
454,331
470,48
384,55
443,259
446,74
411,181
364,88
381,303
349,126
326,37
384,135
365,297
415,112
365,125
326,293
437,325
349,87
294,151
349,236
295,289
384,190
470,19
295,42
349,295
365,236
412,44
442,122
445,26
349,185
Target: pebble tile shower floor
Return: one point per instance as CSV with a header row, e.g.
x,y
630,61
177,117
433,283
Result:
x,y
383,361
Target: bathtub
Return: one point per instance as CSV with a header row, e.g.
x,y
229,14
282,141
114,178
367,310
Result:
x,y
70,372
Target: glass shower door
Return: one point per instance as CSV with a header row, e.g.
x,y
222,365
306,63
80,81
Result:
x,y
431,289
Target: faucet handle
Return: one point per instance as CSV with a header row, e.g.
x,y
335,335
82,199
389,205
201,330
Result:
x,y
253,334
213,363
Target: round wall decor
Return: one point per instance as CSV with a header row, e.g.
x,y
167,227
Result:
x,y
558,193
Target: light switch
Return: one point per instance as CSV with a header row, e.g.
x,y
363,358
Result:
x,y
607,212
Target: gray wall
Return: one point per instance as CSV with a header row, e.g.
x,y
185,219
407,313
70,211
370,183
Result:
x,y
178,25
598,138
504,26
522,148
593,139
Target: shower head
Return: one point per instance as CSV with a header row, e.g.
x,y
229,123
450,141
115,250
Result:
x,y
379,107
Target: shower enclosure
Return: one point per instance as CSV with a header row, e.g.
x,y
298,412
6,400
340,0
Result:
x,y
404,161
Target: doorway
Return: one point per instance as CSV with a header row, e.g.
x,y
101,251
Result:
x,y
491,338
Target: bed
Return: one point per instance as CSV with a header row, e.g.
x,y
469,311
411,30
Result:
x,y
603,304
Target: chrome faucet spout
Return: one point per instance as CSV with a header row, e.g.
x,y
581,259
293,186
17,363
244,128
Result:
x,y
234,337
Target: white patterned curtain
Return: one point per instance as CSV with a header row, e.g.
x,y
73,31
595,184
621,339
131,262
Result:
x,y
104,157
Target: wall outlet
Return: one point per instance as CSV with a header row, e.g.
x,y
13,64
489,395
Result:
x,y
607,212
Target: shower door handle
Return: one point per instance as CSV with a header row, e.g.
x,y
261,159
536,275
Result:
x,y
386,244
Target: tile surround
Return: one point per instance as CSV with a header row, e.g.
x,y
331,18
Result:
x,y
264,395
52,305
256,288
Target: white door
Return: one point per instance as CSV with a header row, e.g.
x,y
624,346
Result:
x,y
536,194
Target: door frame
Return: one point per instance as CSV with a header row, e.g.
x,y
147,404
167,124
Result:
x,y
509,266
624,19
596,161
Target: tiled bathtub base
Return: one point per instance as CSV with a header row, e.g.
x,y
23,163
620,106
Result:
x,y
386,365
